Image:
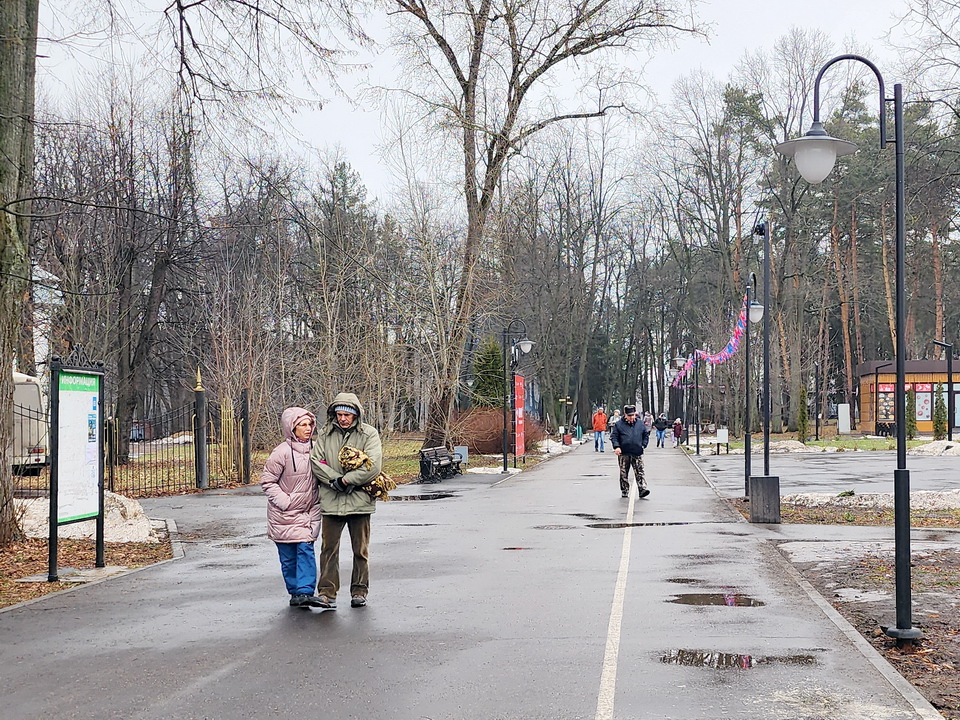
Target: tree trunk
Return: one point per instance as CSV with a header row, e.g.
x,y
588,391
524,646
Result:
x,y
18,50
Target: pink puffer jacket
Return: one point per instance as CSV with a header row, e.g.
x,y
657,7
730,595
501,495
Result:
x,y
293,514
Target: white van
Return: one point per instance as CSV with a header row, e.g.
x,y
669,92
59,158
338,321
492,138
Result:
x,y
31,451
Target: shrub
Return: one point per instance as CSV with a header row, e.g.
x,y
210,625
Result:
x,y
939,414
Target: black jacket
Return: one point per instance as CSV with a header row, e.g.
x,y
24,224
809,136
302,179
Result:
x,y
661,423
631,439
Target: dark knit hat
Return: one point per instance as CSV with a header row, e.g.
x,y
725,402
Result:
x,y
346,409
629,409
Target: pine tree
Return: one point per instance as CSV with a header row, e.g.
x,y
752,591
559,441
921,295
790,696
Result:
x,y
488,373
911,414
939,414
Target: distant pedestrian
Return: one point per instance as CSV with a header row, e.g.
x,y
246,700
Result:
x,y
342,502
599,427
648,420
661,424
629,437
677,432
293,514
615,418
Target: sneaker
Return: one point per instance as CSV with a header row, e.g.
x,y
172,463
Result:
x,y
623,494
644,492
312,601
299,601
326,602
358,601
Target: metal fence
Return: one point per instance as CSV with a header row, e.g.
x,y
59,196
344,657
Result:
x,y
199,445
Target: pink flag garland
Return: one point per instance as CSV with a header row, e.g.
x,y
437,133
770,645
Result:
x,y
728,352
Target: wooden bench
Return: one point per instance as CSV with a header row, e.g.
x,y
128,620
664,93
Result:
x,y
438,463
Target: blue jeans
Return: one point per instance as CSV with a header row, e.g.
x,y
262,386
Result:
x,y
298,563
662,438
598,440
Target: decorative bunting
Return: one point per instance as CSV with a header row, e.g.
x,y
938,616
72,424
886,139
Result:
x,y
728,352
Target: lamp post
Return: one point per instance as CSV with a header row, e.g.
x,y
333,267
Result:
x,y
816,400
754,315
764,230
523,346
814,155
876,393
680,362
950,401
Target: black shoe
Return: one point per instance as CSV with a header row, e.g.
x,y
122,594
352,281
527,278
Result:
x,y
358,601
299,601
623,494
644,492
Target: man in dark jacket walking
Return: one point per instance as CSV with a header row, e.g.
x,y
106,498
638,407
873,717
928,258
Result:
x,y
629,437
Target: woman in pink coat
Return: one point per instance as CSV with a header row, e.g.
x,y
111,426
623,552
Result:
x,y
293,513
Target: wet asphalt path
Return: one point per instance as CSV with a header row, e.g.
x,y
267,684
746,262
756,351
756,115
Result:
x,y
525,599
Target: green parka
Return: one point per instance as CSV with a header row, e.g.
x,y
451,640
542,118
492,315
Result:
x,y
326,465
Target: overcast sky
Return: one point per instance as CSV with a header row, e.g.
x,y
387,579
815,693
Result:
x,y
738,26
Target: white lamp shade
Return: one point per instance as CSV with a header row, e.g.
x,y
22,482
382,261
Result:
x,y
756,312
815,153
525,345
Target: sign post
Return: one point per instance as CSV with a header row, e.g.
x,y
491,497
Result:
x,y
76,449
519,439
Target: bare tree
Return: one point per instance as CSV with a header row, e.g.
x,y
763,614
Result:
x,y
480,67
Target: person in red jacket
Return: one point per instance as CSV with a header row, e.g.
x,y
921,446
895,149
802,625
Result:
x,y
599,426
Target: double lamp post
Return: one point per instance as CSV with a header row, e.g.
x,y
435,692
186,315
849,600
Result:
x,y
814,155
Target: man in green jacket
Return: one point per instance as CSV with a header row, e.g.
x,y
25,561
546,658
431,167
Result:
x,y
342,502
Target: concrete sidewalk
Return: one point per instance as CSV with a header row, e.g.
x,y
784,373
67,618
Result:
x,y
543,595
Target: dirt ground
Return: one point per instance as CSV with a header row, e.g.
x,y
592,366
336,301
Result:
x,y
931,665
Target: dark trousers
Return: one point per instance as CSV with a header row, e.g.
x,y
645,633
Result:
x,y
627,462
331,528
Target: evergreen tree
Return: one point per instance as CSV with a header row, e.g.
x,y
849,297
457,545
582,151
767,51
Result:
x,y
911,414
939,414
803,424
488,371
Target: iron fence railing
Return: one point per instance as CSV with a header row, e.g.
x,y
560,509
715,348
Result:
x,y
164,452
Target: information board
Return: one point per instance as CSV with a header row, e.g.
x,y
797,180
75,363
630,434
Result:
x,y
78,456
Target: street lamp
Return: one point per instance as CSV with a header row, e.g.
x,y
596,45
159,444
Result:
x,y
680,361
764,230
876,394
814,155
950,401
521,346
754,315
816,400
696,387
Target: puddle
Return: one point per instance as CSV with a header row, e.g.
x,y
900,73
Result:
x,y
588,516
725,661
517,548
613,526
728,599
414,524
426,496
554,527
235,546
596,475
683,581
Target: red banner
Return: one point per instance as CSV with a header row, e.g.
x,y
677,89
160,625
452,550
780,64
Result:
x,y
518,401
